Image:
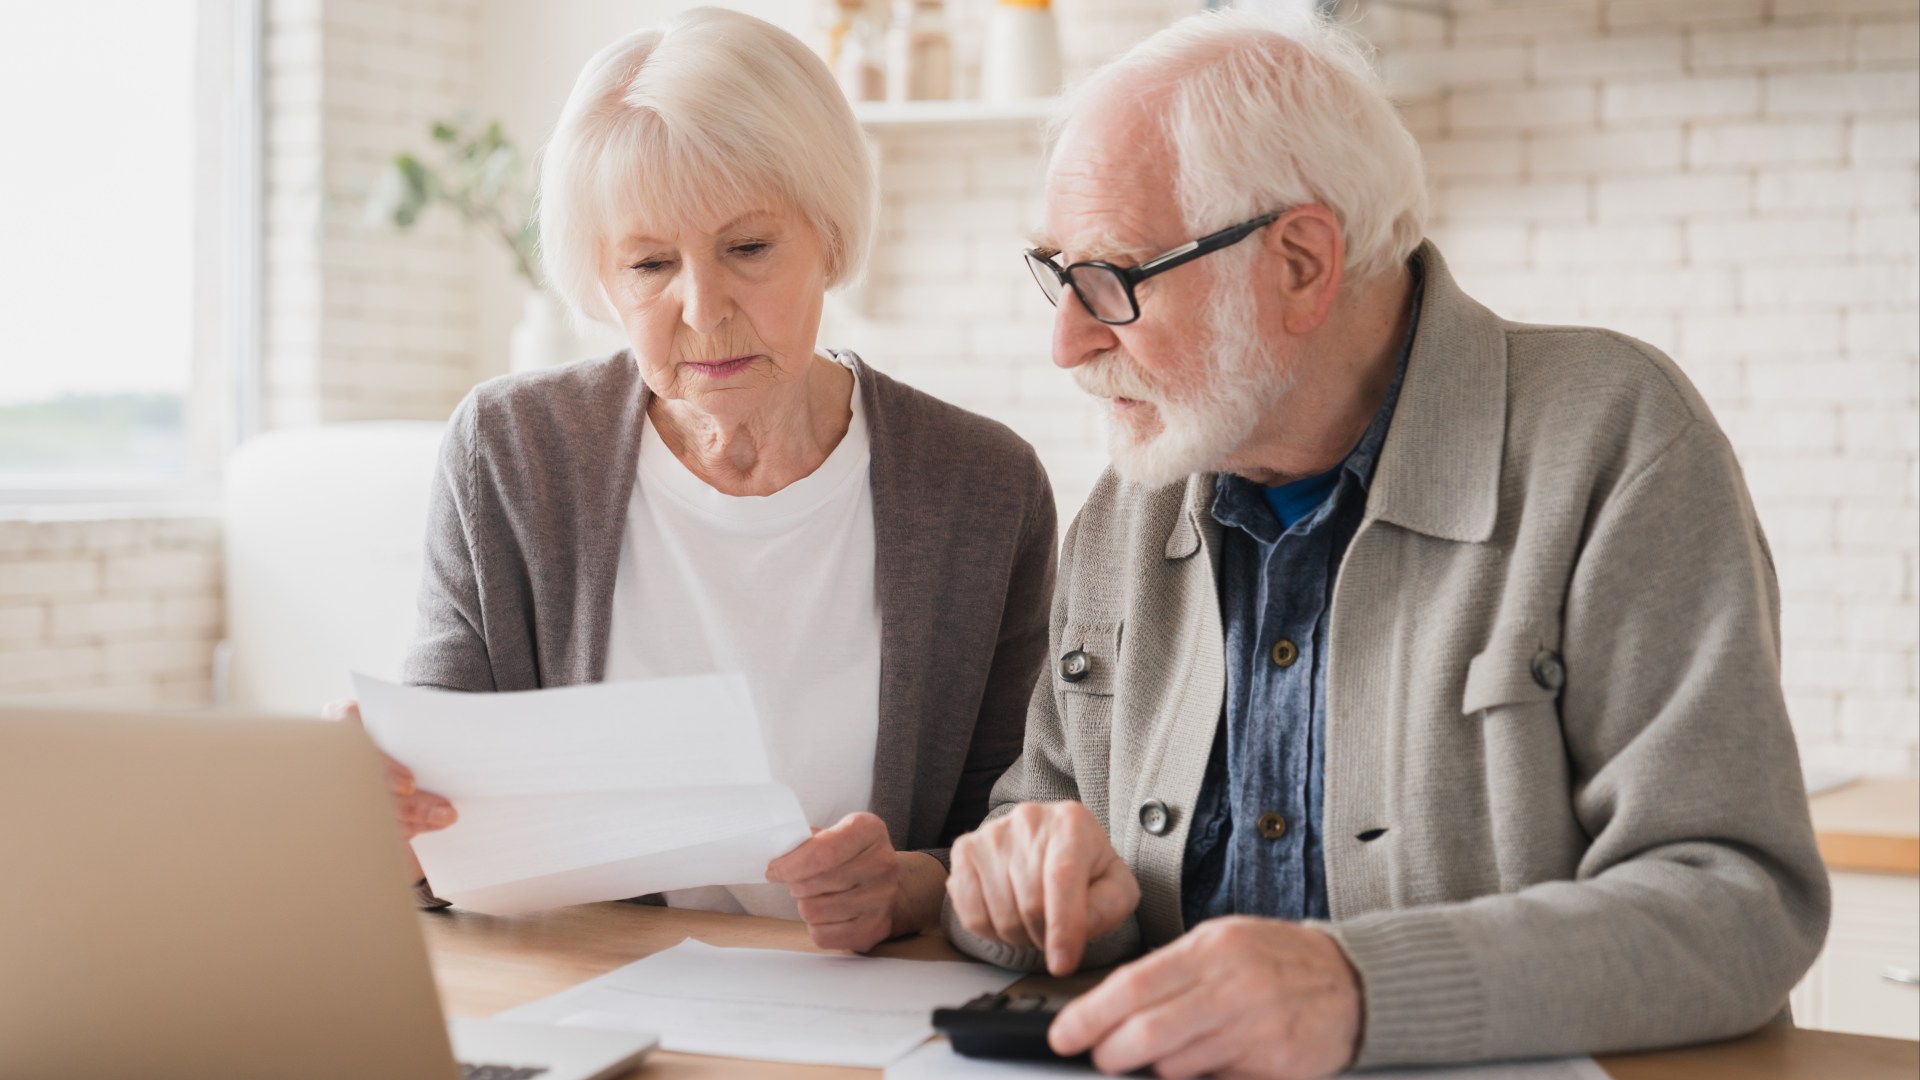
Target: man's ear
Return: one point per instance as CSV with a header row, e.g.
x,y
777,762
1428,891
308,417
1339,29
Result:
x,y
1307,253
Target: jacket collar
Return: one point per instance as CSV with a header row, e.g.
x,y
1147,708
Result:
x,y
1439,471
1196,499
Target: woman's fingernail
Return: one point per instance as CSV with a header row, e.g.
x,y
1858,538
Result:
x,y
440,817
405,786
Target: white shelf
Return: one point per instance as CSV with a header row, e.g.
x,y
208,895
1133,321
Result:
x,y
878,116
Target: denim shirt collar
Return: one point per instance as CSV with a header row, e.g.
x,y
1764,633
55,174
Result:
x,y
1239,503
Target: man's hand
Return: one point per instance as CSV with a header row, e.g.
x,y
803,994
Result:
x,y
854,890
1234,997
1045,875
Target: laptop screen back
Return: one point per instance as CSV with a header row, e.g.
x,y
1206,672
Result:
x,y
206,897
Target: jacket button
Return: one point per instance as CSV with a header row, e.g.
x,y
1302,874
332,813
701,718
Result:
x,y
1285,653
1075,665
1271,826
1155,817
1548,671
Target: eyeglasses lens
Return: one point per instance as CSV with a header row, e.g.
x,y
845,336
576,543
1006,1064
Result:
x,y
1103,293
1046,277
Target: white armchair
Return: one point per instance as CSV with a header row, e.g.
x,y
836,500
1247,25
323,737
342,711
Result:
x,y
323,540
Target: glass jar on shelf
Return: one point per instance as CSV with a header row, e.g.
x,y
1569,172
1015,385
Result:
x,y
919,52
857,48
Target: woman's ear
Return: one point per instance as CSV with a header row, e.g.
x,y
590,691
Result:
x,y
1308,255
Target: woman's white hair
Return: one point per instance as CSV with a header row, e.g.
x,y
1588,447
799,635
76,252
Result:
x,y
1264,114
710,114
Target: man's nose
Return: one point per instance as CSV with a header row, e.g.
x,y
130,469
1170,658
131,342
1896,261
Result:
x,y
1077,335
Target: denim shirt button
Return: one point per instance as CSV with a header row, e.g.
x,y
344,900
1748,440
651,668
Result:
x,y
1285,653
1271,826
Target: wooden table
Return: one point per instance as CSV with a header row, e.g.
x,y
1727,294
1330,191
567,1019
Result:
x,y
485,964
1870,825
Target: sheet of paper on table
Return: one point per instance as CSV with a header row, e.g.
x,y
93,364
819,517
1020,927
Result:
x,y
586,793
772,1004
937,1061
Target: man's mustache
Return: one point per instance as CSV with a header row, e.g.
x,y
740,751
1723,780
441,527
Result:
x,y
1113,375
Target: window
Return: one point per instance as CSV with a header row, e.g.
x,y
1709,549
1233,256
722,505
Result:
x,y
117,306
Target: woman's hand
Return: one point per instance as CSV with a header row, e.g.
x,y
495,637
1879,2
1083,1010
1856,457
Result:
x,y
418,811
854,890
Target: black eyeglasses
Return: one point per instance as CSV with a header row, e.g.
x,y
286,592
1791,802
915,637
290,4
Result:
x,y
1106,290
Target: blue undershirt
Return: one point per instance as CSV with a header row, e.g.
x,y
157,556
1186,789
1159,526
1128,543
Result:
x,y
1293,502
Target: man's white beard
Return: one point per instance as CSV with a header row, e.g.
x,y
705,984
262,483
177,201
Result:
x,y
1196,434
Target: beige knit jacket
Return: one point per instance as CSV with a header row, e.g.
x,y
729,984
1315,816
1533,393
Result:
x,y
1564,810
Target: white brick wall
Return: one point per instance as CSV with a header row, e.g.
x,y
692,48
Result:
x,y
362,323
1739,188
120,611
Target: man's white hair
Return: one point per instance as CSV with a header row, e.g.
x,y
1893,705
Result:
x,y
710,114
1264,114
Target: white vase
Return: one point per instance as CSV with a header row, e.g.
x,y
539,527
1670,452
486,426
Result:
x,y
1022,55
542,337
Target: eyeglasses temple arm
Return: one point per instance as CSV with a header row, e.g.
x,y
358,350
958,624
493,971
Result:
x,y
1193,249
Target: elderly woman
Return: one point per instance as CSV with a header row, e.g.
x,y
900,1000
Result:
x,y
724,495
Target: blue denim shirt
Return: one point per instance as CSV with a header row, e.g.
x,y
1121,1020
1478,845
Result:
x,y
1255,845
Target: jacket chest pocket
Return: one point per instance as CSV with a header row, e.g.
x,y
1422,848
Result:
x,y
1088,660
1086,673
1524,789
1515,669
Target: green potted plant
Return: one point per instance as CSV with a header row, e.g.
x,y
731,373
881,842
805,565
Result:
x,y
481,176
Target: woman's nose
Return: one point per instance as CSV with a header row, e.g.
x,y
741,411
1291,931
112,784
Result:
x,y
705,303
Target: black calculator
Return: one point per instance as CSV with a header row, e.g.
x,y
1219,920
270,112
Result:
x,y
1008,1026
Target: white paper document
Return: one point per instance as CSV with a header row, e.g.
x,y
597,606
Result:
x,y
1581,1068
585,793
937,1061
772,1004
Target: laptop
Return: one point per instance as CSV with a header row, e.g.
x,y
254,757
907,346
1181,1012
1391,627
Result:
x,y
214,897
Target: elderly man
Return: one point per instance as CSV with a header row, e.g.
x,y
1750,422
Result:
x,y
1415,692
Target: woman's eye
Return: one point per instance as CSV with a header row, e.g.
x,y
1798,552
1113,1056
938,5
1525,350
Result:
x,y
650,266
750,248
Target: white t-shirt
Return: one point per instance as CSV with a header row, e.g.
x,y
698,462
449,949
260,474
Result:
x,y
779,587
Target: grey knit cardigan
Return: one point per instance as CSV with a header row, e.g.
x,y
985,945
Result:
x,y
523,540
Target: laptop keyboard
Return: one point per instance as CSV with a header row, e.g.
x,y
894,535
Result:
x,y
500,1072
